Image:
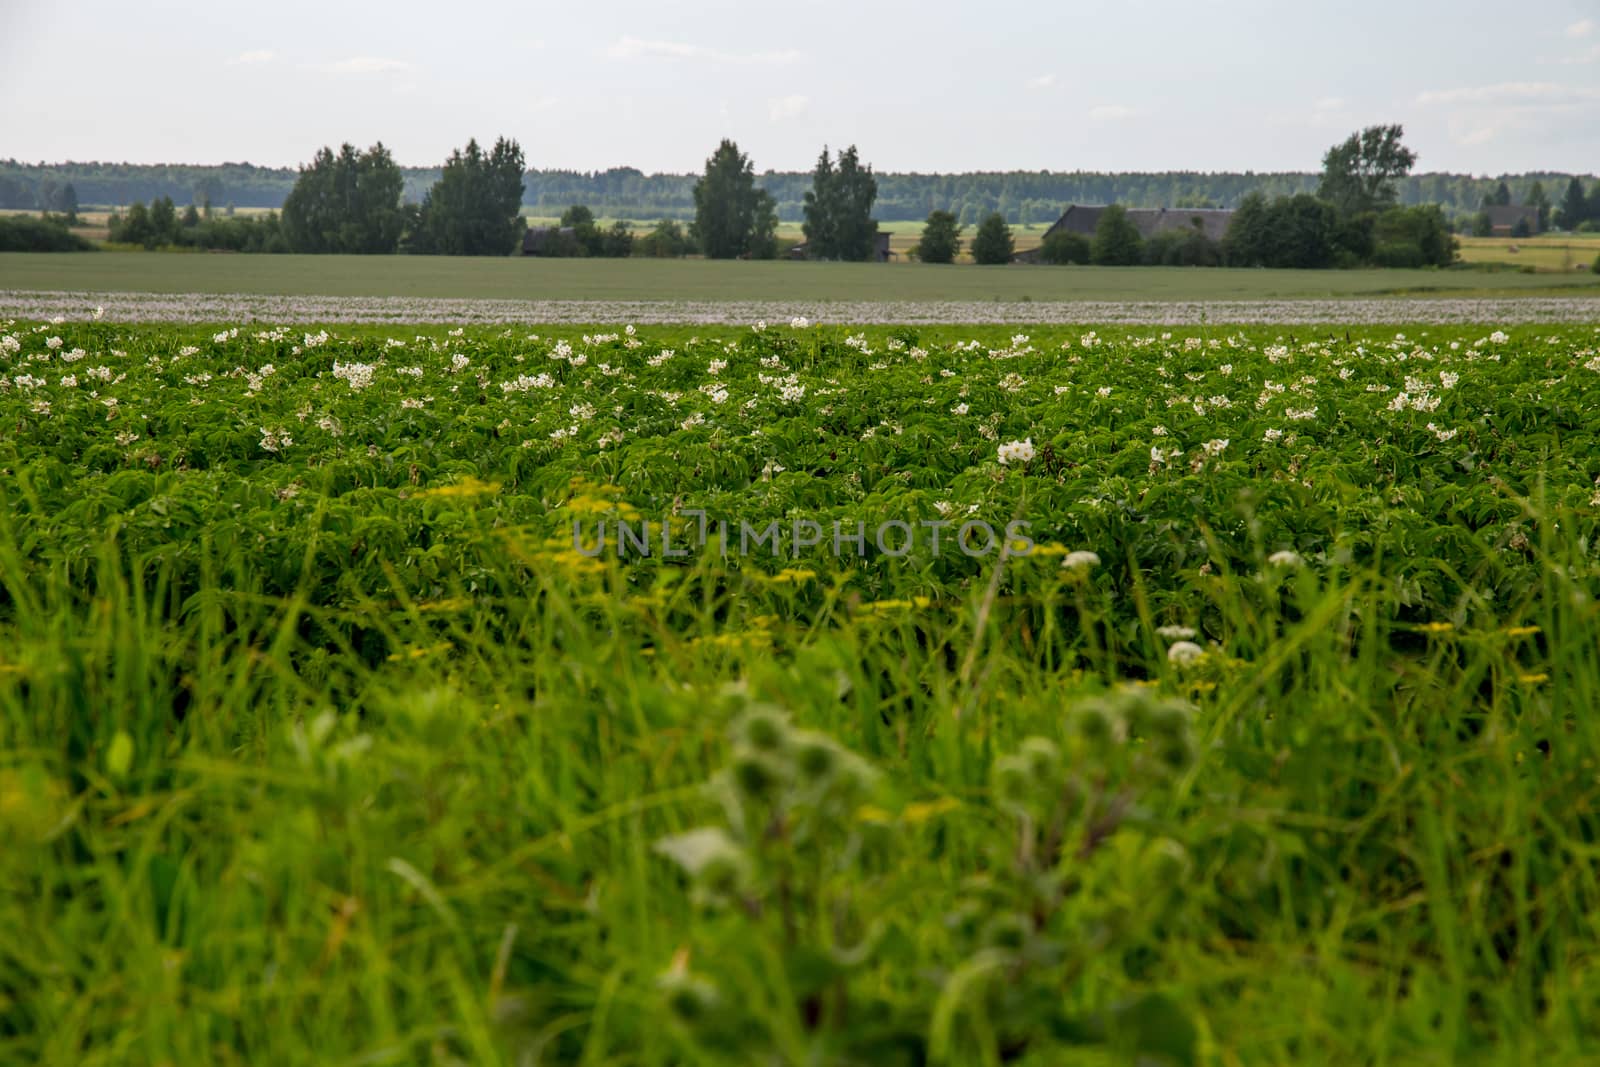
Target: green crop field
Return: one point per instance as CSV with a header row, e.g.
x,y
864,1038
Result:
x,y
645,279
799,695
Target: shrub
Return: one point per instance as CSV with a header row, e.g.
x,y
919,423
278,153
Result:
x,y
993,243
1182,248
666,241
1117,242
1397,254
33,233
941,239
1062,247
617,242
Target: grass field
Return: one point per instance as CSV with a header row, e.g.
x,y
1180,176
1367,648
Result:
x,y
1560,253
516,278
332,733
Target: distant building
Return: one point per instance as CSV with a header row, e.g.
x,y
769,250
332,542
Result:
x,y
1503,219
550,241
880,249
1082,219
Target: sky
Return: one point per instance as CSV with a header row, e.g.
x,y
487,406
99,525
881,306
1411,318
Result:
x,y
918,85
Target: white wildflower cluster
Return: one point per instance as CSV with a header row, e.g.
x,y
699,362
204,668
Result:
x,y
716,367
717,393
1300,414
799,322
1016,452
662,357
1013,383
1215,447
459,363
1160,457
225,336
523,382
275,440
1440,433
357,375
315,340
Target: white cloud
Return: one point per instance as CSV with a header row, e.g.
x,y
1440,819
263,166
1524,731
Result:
x,y
1330,103
1043,81
1581,28
1111,113
636,48
787,107
367,65
253,57
1482,135
1511,94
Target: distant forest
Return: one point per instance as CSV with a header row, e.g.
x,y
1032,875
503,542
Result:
x,y
1021,196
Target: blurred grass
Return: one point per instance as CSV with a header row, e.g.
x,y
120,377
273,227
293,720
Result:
x,y
518,278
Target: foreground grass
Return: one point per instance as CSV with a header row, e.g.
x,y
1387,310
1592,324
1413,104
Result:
x,y
341,753
519,278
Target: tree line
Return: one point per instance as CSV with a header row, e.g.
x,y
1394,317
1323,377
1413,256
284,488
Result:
x,y
1354,218
1022,197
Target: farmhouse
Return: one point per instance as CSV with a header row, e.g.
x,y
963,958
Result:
x,y
1082,219
549,241
1504,220
880,249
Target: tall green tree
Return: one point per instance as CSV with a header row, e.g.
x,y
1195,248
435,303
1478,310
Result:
x,y
993,243
1245,243
163,221
941,238
1538,200
1574,207
584,229
346,203
1302,232
733,218
1117,241
1359,174
474,209
1501,197
838,209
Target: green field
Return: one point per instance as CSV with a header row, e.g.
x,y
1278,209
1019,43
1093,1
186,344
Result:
x,y
693,280
331,732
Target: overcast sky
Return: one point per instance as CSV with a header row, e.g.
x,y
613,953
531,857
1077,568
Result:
x,y
924,85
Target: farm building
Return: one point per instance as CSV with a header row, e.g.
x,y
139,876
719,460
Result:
x,y
880,249
1082,219
549,241
1504,219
